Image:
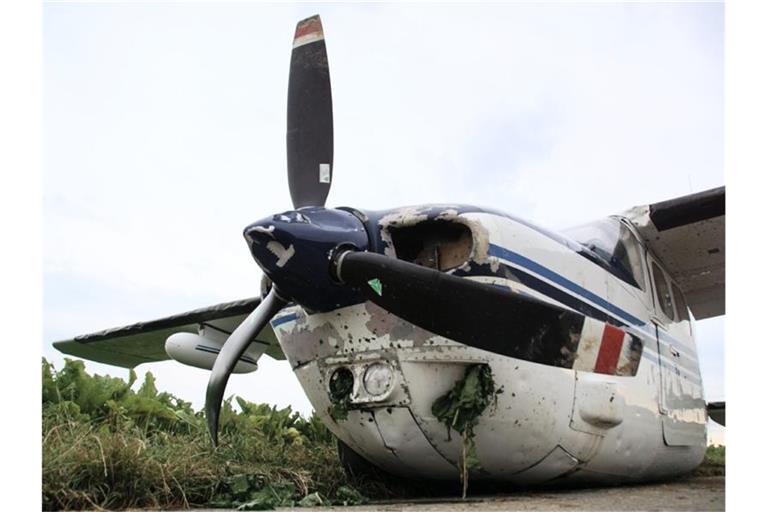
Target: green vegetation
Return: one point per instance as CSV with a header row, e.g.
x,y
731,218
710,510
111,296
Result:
x,y
108,446
714,462
460,409
341,385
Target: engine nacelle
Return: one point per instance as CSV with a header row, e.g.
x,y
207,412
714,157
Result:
x,y
200,352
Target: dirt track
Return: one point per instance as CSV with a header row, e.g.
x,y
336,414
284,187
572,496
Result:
x,y
695,493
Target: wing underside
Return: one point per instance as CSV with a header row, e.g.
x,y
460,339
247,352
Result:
x,y
144,342
687,235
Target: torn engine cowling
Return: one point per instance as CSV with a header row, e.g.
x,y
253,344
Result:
x,y
435,237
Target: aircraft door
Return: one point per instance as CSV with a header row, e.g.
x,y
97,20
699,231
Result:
x,y
679,398
669,372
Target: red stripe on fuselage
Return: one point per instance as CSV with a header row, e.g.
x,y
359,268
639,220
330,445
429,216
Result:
x,y
610,350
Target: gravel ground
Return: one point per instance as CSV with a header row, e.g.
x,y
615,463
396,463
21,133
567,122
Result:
x,y
695,493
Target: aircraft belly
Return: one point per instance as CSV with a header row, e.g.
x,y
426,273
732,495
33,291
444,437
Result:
x,y
402,435
542,419
519,429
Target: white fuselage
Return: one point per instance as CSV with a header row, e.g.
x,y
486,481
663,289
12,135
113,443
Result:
x,y
547,422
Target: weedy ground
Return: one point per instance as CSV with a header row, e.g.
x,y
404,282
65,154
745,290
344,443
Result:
x,y
714,462
108,446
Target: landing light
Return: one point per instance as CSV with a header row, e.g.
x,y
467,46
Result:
x,y
378,379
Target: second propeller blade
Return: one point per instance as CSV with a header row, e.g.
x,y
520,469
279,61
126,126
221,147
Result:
x,y
231,352
489,317
309,137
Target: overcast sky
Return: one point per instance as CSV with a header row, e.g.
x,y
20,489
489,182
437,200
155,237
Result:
x,y
164,135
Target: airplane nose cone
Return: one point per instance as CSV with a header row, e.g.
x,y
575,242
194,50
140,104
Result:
x,y
294,250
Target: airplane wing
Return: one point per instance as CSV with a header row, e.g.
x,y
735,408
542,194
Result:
x,y
688,235
144,342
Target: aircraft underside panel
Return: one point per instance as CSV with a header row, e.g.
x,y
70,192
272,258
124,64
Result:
x,y
557,463
543,422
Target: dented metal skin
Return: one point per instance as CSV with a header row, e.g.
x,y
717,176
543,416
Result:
x,y
547,423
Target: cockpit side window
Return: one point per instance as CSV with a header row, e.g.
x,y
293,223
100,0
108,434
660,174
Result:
x,y
614,243
663,295
634,255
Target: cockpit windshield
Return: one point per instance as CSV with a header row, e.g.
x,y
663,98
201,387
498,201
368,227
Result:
x,y
614,243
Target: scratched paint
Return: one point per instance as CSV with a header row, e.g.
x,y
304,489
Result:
x,y
529,434
383,323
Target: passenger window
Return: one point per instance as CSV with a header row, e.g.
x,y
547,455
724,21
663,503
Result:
x,y
682,309
663,296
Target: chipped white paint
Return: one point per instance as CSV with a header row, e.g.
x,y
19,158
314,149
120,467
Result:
x,y
546,423
407,216
283,254
269,230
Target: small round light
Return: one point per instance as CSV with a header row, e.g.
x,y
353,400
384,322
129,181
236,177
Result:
x,y
378,379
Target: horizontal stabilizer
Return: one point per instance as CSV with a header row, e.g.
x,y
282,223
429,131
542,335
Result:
x,y
716,411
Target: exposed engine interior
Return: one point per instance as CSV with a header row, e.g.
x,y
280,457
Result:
x,y
438,244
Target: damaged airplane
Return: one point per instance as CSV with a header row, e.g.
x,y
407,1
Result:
x,y
576,347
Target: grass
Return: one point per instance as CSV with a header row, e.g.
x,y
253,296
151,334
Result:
x,y
714,462
91,465
107,446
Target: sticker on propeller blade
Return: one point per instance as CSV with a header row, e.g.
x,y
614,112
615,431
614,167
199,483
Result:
x,y
376,285
325,173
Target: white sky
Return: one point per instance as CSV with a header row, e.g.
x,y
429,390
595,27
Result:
x,y
164,135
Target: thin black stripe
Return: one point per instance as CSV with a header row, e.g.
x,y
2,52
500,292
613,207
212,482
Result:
x,y
507,272
223,331
203,348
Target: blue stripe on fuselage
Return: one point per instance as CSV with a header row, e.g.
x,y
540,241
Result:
x,y
519,259
624,317
284,319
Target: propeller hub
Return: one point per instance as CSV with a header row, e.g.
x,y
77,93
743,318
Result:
x,y
295,248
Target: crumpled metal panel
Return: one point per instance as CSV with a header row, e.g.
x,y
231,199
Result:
x,y
402,435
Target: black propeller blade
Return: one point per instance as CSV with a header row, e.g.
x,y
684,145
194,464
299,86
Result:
x,y
476,314
310,117
309,142
231,352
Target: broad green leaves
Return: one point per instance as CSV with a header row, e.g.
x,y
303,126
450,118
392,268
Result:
x,y
109,445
